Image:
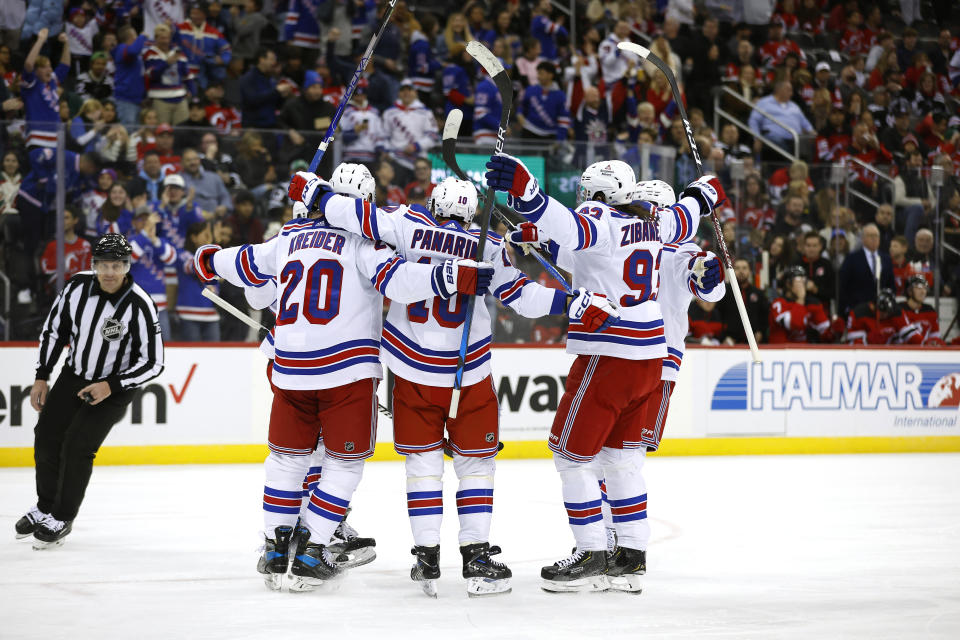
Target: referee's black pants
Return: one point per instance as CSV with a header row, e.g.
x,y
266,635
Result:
x,y
66,439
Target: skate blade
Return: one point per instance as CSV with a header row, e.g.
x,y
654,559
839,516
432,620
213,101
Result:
x,y
274,581
483,587
581,585
356,558
632,583
429,587
40,545
21,536
300,584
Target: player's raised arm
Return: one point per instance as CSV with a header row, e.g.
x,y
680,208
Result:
x,y
568,228
249,265
679,222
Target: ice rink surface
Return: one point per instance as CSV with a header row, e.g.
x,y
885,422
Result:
x,y
777,547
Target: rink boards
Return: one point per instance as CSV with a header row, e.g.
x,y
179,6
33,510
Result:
x,y
212,403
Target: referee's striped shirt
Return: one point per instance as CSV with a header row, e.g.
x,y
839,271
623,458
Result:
x,y
113,337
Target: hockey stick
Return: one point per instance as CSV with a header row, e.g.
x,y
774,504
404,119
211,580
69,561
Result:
x,y
250,322
449,151
495,70
653,59
354,81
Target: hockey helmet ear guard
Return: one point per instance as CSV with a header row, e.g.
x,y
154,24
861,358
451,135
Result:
x,y
614,179
454,198
355,180
886,301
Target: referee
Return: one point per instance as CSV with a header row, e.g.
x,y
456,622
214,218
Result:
x,y
111,327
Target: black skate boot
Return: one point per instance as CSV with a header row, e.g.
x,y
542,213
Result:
x,y
273,563
625,568
583,571
50,532
28,523
427,568
485,576
349,549
313,564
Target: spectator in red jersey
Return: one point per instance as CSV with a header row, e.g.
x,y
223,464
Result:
x,y
902,271
919,313
810,17
744,58
867,148
781,179
797,316
387,192
76,250
881,322
706,323
833,140
775,49
821,279
755,208
169,159
854,40
421,175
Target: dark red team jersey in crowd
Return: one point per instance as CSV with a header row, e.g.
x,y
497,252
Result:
x,y
865,327
705,324
926,320
790,321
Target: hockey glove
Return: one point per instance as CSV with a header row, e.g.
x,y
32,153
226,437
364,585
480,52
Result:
x,y
307,188
506,173
527,235
706,272
708,192
594,311
203,263
469,277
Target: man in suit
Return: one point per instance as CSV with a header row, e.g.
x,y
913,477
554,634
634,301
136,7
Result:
x,y
858,273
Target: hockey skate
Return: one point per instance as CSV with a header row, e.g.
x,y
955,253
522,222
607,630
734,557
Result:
x,y
273,563
349,549
426,571
582,571
50,532
313,564
485,576
28,523
626,568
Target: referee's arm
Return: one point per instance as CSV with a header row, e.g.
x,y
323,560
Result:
x,y
53,338
146,347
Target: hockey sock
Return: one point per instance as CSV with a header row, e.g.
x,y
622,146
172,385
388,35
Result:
x,y
581,497
282,493
474,497
627,490
313,474
605,504
425,496
331,497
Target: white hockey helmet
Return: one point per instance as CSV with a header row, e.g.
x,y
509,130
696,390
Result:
x,y
354,180
454,198
657,192
615,179
300,210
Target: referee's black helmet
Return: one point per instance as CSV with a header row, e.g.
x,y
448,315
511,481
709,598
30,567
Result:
x,y
112,246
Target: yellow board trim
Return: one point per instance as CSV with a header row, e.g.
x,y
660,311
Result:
x,y
252,453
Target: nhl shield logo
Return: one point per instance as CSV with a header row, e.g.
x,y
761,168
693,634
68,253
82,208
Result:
x,y
348,446
111,329
490,437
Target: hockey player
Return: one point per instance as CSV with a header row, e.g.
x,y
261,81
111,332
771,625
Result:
x,y
881,322
919,313
326,367
617,248
421,343
797,316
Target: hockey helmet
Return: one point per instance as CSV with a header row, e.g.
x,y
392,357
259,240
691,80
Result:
x,y
613,179
454,198
795,271
354,180
112,247
657,192
886,301
300,210
916,280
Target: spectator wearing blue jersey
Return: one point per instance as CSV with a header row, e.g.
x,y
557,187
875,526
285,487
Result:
x,y
207,50
543,112
457,86
487,107
152,253
476,14
547,31
128,78
592,126
199,320
421,60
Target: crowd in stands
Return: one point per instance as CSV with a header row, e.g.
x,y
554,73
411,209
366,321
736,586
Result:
x,y
183,122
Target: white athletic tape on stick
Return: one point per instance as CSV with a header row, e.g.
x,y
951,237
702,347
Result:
x,y
451,127
489,62
633,47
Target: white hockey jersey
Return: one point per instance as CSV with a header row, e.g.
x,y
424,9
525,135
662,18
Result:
x,y
676,291
329,304
613,61
264,297
406,125
421,341
620,256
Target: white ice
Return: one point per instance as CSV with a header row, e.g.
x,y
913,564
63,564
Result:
x,y
743,547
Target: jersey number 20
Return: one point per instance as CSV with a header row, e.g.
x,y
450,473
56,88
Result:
x,y
321,295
